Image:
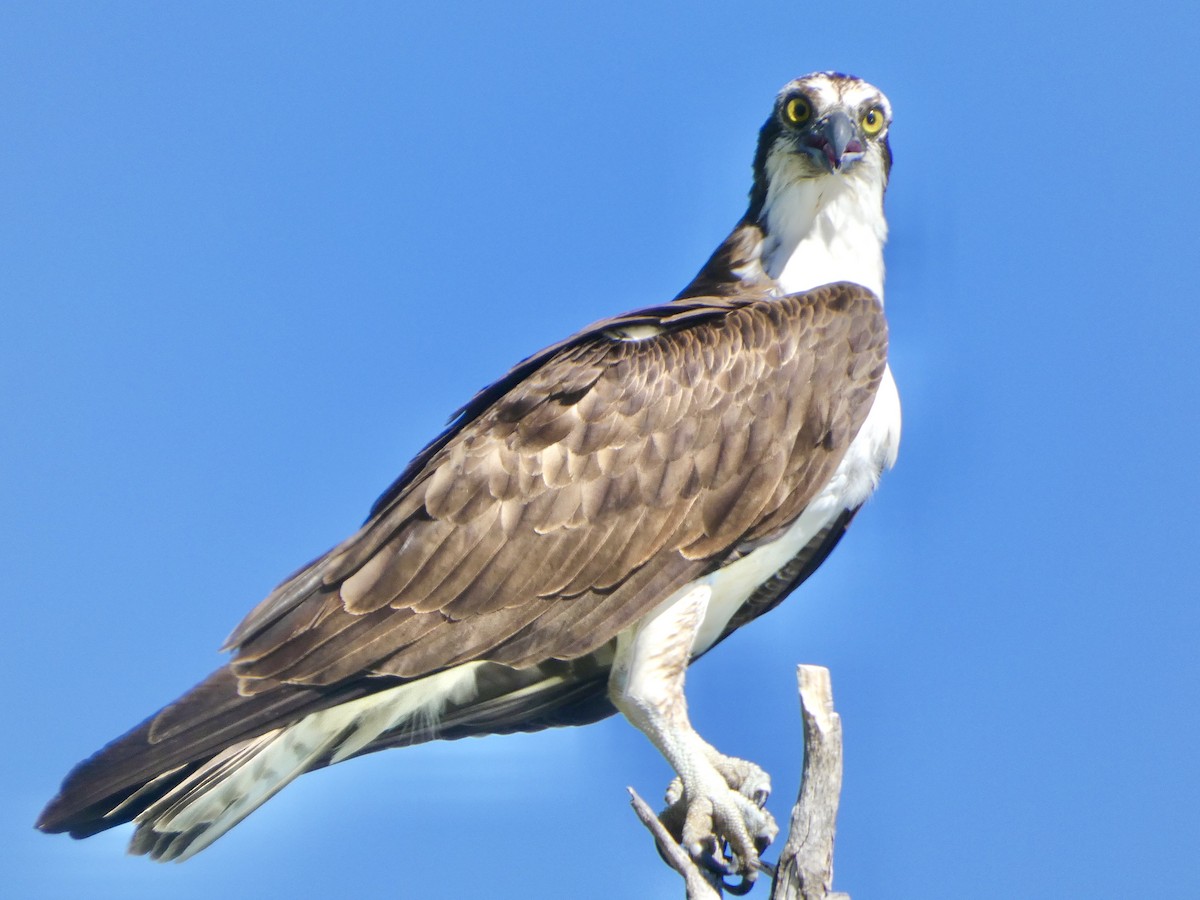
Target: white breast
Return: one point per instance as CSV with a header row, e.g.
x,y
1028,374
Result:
x,y
824,230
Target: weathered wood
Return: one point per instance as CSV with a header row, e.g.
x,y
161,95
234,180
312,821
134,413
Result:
x,y
805,869
700,885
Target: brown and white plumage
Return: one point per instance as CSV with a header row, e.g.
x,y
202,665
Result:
x,y
679,467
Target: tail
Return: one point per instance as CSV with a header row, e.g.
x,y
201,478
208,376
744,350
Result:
x,y
194,770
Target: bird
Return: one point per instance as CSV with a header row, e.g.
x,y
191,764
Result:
x,y
583,529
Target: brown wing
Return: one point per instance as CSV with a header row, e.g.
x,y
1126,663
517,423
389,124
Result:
x,y
575,494
564,501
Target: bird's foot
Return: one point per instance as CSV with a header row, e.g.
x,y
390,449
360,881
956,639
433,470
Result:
x,y
718,816
743,776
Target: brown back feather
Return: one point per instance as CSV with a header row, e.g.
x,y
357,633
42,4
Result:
x,y
576,493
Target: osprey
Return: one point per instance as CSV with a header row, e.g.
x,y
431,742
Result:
x,y
585,527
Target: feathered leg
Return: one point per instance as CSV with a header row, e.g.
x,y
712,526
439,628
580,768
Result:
x,y
717,800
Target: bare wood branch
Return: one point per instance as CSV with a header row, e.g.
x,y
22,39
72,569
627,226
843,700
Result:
x,y
700,885
805,870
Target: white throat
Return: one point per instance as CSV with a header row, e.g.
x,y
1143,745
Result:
x,y
824,229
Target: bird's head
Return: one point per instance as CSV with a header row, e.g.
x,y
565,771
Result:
x,y
816,205
824,125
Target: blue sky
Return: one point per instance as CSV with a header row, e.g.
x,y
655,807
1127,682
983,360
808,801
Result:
x,y
252,255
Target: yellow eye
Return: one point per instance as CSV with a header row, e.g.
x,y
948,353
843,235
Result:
x,y
798,110
872,121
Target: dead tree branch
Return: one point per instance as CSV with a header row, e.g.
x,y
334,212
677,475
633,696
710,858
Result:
x,y
700,885
805,868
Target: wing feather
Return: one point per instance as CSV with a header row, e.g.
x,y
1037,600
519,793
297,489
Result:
x,y
552,516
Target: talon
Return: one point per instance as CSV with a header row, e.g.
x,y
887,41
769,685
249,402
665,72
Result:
x,y
714,860
722,822
742,887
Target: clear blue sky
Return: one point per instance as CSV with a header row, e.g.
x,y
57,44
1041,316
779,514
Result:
x,y
251,256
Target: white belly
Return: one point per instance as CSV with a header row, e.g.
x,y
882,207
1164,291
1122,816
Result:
x,y
872,450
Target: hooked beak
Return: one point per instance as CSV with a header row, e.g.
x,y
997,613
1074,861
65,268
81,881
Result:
x,y
835,142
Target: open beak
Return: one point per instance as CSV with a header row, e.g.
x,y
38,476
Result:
x,y
835,141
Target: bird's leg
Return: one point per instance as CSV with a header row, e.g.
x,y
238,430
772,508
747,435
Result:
x,y
717,800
